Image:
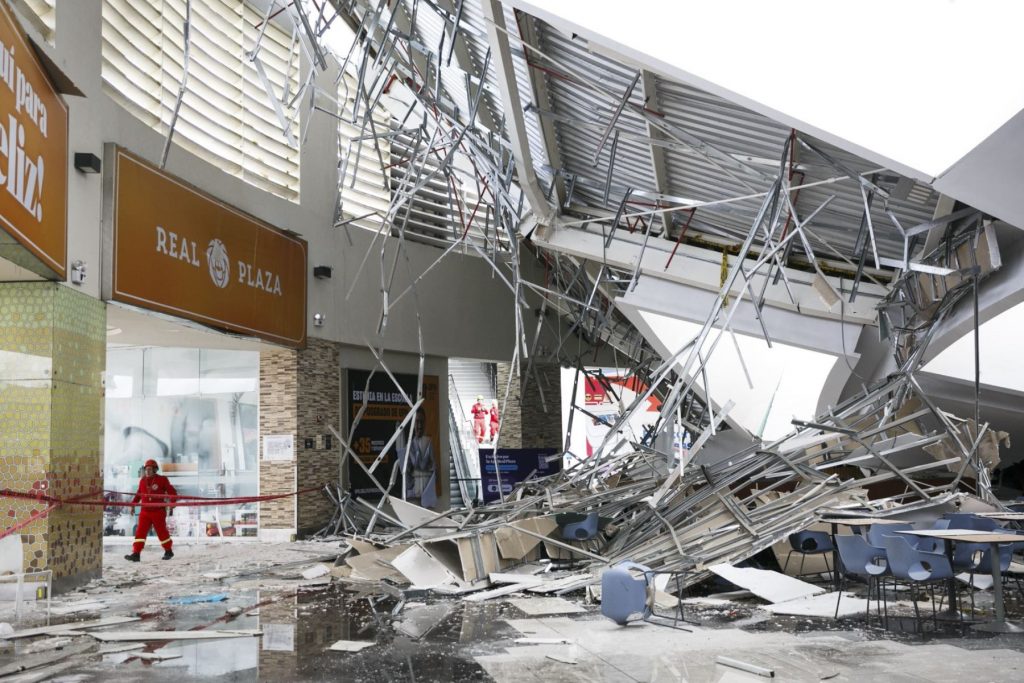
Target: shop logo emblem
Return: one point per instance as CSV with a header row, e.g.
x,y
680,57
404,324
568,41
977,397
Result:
x,y
218,262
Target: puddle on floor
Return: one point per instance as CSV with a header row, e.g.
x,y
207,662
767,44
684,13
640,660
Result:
x,y
429,640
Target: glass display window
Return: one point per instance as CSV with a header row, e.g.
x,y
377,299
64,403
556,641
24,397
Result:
x,y
196,412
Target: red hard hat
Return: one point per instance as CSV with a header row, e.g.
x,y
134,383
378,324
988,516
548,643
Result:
x,y
152,463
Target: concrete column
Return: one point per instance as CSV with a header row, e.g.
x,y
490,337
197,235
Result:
x,y
52,359
300,394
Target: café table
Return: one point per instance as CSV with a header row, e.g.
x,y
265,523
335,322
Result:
x,y
993,539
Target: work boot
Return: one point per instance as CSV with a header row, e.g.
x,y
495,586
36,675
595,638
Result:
x,y
133,557
167,555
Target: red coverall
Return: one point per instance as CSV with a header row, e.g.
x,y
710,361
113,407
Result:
x,y
153,490
480,413
495,421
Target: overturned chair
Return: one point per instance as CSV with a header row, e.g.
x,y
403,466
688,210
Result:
x,y
628,589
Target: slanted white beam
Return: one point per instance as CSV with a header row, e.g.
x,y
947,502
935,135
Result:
x,y
702,268
513,108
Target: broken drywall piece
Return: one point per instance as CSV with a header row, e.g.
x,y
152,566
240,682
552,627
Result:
x,y
63,629
316,571
120,636
514,544
766,584
376,565
537,607
498,592
422,569
351,645
426,522
565,659
820,606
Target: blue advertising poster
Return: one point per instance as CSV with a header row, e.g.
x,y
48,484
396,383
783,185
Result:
x,y
514,465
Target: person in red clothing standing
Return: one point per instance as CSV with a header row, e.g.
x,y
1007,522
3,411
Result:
x,y
480,414
495,420
153,488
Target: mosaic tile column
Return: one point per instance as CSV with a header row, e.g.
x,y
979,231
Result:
x,y
525,423
52,358
300,394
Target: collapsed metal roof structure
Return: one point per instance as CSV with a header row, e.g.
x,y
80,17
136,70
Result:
x,y
478,128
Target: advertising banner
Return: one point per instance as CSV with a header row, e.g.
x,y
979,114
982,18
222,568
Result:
x,y
180,251
515,465
385,410
33,153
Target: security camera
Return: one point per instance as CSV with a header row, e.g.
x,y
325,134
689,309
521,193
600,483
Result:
x,y
318,319
78,272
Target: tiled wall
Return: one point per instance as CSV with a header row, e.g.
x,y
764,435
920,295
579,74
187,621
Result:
x,y
300,394
524,422
319,407
278,415
53,344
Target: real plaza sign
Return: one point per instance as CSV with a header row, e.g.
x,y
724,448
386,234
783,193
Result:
x,y
180,251
33,151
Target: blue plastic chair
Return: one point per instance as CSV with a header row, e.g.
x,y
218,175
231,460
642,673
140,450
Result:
x,y
861,560
809,543
916,567
624,595
934,545
878,532
583,530
965,520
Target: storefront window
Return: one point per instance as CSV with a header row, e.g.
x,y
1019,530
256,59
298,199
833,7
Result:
x,y
195,411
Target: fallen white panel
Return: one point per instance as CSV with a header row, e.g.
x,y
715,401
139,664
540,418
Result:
x,y
498,592
351,645
820,606
982,582
414,516
119,636
508,577
316,571
88,606
73,626
422,569
537,607
122,647
766,584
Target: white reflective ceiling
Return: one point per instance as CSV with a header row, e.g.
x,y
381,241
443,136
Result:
x,y
787,381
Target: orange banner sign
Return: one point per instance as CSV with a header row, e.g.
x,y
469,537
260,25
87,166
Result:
x,y
180,251
33,151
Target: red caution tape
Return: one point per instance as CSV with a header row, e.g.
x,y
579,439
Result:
x,y
165,500
54,502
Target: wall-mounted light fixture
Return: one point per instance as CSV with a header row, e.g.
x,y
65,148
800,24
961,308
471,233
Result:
x,y
322,272
78,272
87,162
318,319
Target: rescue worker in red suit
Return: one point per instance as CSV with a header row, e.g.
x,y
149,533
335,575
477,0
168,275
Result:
x,y
153,488
480,413
495,419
